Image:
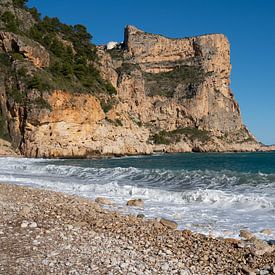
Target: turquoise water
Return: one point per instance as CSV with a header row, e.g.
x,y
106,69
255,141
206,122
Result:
x,y
210,193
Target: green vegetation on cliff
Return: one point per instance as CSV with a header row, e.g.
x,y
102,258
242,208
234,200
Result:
x,y
168,137
165,83
4,133
72,55
10,21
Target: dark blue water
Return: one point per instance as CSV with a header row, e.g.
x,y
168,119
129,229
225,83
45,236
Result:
x,y
263,162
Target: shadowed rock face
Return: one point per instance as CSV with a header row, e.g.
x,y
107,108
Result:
x,y
173,95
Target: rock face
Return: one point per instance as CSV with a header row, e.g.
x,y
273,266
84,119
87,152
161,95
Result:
x,y
179,90
173,95
29,49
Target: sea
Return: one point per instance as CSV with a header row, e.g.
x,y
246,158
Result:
x,y
211,193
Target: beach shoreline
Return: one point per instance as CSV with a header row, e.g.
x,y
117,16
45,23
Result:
x,y
49,232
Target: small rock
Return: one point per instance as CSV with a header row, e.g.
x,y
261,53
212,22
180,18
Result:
x,y
45,262
102,200
168,223
70,227
33,225
165,267
24,224
136,203
168,252
248,271
123,265
247,235
266,231
36,242
141,216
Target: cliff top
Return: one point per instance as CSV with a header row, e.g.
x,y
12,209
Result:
x,y
132,30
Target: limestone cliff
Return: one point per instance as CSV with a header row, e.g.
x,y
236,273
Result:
x,y
171,95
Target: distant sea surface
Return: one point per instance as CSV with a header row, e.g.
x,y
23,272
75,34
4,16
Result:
x,y
216,193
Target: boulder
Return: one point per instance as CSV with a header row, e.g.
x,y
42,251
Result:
x,y
102,200
245,234
140,216
136,203
168,223
266,231
261,247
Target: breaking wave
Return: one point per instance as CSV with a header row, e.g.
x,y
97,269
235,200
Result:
x,y
202,200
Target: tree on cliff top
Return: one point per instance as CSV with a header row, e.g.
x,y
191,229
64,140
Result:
x,y
20,3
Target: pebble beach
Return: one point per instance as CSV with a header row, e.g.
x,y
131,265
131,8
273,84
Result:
x,y
46,232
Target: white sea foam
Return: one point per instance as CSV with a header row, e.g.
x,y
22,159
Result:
x,y
205,201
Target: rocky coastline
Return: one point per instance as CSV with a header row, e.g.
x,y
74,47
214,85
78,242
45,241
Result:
x,y
61,96
45,232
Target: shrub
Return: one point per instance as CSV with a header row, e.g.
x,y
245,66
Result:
x,y
10,21
17,56
20,3
36,82
107,105
36,15
4,133
22,72
167,137
117,122
5,60
17,95
41,103
165,83
110,88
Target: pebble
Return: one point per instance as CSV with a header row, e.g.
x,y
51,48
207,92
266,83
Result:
x,y
168,252
45,262
33,225
264,272
120,245
35,242
24,224
165,267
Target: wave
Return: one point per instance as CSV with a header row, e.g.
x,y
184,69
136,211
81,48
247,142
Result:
x,y
112,188
223,200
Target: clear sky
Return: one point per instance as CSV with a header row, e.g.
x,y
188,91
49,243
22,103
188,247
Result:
x,y
249,25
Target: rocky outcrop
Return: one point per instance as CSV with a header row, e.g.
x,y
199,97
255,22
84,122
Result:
x,y
169,85
6,148
33,51
173,95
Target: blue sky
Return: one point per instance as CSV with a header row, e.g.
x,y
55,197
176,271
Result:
x,y
249,25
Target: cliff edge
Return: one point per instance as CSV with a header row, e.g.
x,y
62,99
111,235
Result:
x,y
63,97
